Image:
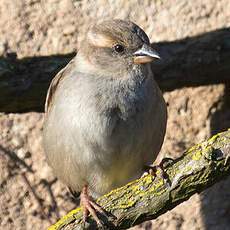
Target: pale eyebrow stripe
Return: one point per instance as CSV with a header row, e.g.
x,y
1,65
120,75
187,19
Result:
x,y
100,40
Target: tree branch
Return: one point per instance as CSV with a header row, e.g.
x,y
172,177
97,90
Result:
x,y
199,60
147,198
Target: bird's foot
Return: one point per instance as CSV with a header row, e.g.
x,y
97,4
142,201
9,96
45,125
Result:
x,y
90,207
152,170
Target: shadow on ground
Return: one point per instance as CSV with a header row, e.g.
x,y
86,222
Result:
x,y
191,61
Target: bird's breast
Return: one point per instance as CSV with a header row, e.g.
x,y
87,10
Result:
x,y
109,113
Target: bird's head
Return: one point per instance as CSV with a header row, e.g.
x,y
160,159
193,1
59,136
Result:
x,y
116,46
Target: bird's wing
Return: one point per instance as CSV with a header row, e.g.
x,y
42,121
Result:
x,y
55,83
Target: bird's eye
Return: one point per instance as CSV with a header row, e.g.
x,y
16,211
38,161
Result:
x,y
119,48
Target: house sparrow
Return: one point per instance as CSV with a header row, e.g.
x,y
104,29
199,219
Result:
x,y
105,115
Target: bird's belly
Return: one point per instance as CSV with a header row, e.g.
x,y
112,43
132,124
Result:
x,y
104,154
118,152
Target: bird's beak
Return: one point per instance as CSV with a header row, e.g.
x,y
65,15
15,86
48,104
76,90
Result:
x,y
145,54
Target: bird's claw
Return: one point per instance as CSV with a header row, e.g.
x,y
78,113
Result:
x,y
91,207
152,170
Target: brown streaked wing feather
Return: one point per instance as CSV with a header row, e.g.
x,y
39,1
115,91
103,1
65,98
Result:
x,y
54,85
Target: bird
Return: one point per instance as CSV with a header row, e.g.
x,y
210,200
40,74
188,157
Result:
x,y
105,116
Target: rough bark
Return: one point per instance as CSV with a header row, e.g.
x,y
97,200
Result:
x,y
147,198
194,61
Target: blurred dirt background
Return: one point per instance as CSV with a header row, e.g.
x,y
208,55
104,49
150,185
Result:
x,y
46,27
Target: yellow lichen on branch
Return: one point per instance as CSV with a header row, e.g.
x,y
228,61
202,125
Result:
x,y
147,198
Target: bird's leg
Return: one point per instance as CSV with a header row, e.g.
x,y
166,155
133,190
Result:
x,y
152,170
90,207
